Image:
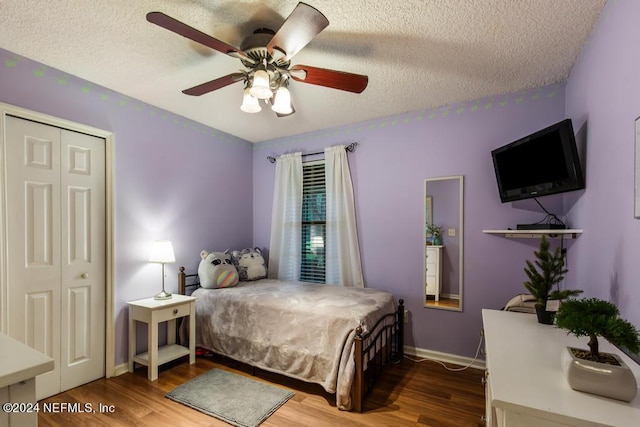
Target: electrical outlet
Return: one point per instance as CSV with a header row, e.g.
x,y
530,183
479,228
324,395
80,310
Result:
x,y
451,232
406,316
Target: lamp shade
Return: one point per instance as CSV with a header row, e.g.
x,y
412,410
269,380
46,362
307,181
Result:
x,y
282,101
261,86
250,104
162,252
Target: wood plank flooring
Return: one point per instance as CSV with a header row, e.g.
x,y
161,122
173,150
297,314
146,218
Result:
x,y
444,302
407,394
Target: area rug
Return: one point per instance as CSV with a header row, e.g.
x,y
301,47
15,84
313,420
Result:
x,y
238,400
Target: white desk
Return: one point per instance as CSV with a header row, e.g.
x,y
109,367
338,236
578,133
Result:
x,y
153,312
525,382
19,366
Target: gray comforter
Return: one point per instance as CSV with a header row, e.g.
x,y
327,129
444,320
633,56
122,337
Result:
x,y
301,330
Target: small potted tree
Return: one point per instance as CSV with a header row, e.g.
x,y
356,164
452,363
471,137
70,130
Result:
x,y
590,370
544,276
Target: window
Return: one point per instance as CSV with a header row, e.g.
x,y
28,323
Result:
x,y
314,203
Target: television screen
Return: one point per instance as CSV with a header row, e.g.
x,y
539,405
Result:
x,y
543,163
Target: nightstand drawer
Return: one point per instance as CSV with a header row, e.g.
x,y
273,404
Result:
x,y
173,312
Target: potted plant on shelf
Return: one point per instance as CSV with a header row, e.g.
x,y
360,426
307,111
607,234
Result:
x,y
592,371
544,276
435,231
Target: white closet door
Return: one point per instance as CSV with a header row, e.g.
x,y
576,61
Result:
x,y
83,259
55,249
33,247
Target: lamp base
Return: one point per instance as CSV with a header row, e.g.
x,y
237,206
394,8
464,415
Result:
x,y
163,295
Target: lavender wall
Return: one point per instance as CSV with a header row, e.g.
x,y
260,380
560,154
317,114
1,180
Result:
x,y
394,157
603,97
171,177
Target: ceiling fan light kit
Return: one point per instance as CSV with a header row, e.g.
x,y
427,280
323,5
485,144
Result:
x,y
282,101
250,104
261,86
267,56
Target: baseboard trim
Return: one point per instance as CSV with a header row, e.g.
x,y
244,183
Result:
x,y
419,353
454,359
121,369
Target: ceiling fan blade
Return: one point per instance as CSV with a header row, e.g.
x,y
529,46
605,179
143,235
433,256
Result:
x,y
300,27
341,80
184,30
214,84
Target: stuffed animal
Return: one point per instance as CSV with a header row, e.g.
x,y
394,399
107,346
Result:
x,y
216,270
250,264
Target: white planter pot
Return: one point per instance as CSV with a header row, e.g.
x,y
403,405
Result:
x,y
616,382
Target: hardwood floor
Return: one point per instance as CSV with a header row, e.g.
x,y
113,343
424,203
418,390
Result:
x,y
407,394
444,302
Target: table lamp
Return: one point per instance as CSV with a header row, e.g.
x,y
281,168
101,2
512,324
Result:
x,y
162,252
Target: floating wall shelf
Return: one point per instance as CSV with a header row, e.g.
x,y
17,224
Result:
x,y
570,233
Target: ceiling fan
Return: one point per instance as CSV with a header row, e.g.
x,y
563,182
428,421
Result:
x,y
267,57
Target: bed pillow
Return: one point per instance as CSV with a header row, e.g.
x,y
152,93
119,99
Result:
x,y
250,264
216,270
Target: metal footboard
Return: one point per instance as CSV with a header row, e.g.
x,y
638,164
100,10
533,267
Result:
x,y
374,351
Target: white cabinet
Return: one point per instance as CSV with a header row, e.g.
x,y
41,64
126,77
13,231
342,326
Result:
x,y
433,271
526,386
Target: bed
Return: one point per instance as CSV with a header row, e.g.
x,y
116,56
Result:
x,y
338,337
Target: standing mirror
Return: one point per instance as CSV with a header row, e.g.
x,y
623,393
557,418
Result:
x,y
443,238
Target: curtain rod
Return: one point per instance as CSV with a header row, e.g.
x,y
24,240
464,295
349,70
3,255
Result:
x,y
350,148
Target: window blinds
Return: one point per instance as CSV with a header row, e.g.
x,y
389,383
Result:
x,y
314,203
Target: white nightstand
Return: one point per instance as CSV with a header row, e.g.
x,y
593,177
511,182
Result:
x,y
152,312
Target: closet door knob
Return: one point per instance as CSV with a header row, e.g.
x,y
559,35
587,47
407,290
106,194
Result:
x,y
84,275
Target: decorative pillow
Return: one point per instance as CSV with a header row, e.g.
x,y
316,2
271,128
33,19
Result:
x,y
250,264
216,270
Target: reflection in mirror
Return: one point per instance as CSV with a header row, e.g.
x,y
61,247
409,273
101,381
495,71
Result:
x,y
443,238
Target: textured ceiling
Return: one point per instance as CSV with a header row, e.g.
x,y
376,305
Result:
x,y
418,54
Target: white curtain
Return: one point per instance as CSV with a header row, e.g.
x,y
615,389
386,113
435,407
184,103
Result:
x,y
343,265
286,217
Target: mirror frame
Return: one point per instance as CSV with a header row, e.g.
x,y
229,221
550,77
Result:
x,y
460,178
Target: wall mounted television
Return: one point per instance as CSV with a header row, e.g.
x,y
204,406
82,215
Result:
x,y
543,163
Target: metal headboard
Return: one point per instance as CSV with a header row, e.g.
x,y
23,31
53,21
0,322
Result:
x,y
187,281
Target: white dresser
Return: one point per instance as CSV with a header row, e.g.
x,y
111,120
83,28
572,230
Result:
x,y
433,271
525,384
